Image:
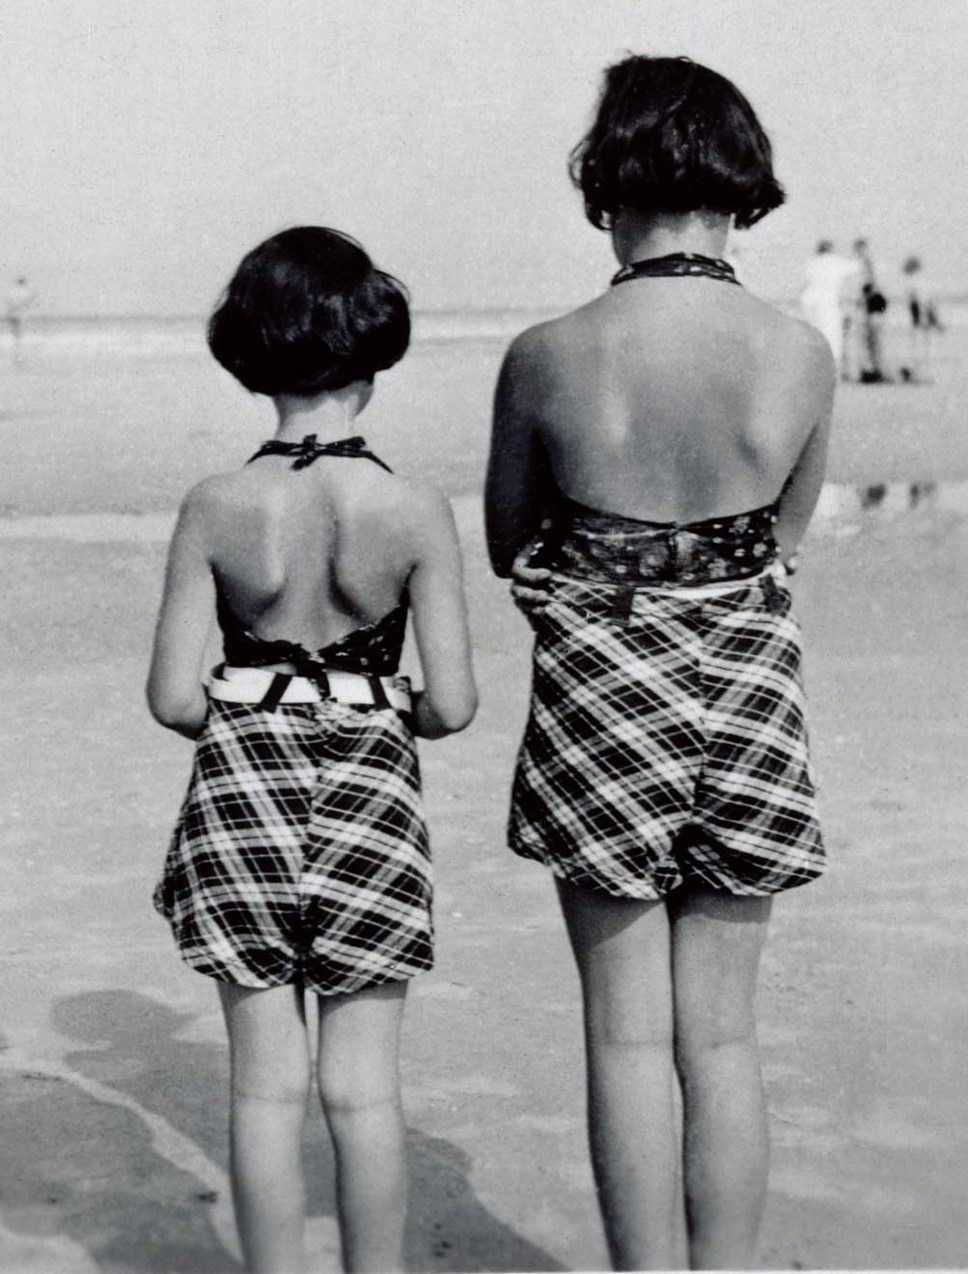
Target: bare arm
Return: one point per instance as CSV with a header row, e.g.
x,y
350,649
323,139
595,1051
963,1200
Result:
x,y
519,488
802,489
175,690
448,700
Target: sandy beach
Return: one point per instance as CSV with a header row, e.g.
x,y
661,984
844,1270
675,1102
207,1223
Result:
x,y
112,1059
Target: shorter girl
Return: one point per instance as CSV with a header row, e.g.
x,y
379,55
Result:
x,y
300,859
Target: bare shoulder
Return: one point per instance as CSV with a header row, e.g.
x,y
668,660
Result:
x,y
798,338
535,355
545,342
424,509
205,498
420,521
527,352
212,507
210,498
800,349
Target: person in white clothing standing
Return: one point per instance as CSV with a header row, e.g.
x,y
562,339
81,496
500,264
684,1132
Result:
x,y
829,280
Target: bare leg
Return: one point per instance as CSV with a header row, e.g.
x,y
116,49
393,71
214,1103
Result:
x,y
359,1086
270,1084
849,370
716,945
875,344
15,341
622,950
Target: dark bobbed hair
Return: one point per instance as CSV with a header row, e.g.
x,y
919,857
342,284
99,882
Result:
x,y
307,311
671,136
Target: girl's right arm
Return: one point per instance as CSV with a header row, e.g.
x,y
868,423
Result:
x,y
175,690
519,489
448,700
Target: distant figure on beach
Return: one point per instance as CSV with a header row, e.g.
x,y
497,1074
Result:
x,y
826,297
870,303
924,319
655,459
300,862
20,297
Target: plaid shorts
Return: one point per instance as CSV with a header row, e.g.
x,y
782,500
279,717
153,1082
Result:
x,y
666,742
301,851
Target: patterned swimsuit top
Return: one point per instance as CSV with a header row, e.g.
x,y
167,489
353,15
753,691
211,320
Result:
x,y
610,548
373,649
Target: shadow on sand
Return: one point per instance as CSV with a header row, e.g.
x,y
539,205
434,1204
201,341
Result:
x,y
89,1169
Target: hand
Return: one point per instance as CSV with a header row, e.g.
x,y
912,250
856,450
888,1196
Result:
x,y
530,584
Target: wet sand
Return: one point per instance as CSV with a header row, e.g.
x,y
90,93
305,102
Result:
x,y
112,1059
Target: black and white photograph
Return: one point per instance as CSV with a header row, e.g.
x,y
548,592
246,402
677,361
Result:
x,y
484,548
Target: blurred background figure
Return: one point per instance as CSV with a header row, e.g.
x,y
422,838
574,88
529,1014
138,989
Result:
x,y
925,322
870,305
829,282
20,297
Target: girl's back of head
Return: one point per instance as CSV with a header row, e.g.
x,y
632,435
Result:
x,y
306,312
671,136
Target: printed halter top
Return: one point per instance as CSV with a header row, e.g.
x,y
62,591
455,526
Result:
x,y
594,544
373,649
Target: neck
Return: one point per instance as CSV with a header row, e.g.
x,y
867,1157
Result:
x,y
636,237
328,415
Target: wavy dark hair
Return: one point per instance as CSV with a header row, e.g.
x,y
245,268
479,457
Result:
x,y
673,136
307,311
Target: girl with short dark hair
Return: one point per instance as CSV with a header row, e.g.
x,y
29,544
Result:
x,y
656,457
300,860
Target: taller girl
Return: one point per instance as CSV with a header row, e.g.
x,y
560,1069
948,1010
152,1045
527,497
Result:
x,y
300,860
672,434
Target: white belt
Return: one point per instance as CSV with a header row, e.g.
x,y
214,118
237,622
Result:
x,y
253,685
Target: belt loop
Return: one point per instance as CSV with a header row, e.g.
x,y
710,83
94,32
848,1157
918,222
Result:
x,y
621,604
378,690
321,679
277,688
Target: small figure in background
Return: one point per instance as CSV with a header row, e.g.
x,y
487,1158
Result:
x,y
923,312
871,303
829,280
20,297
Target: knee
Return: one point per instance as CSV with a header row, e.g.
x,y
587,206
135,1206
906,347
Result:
x,y
712,1037
349,1094
619,1034
278,1082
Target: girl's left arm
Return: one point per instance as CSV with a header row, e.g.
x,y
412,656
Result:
x,y
519,487
802,489
175,689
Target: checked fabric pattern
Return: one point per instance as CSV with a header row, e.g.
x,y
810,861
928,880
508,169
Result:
x,y
301,850
667,746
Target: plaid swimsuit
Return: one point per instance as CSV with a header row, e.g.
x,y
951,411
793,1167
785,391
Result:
x,y
666,738
301,851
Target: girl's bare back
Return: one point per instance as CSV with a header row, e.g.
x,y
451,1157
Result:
x,y
308,555
674,399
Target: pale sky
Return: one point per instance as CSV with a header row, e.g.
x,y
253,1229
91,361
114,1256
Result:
x,y
148,145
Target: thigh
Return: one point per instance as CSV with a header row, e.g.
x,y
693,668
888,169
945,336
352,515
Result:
x,y
717,939
267,1039
621,947
359,1043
